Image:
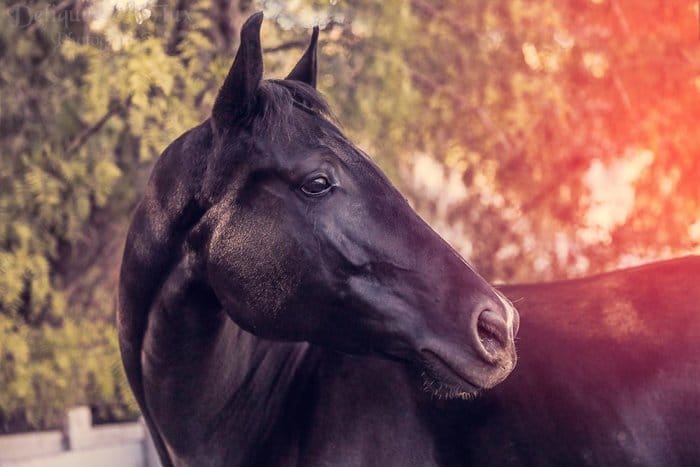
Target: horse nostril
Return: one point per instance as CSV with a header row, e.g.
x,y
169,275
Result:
x,y
492,329
492,335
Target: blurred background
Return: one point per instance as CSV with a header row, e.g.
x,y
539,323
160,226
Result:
x,y
544,139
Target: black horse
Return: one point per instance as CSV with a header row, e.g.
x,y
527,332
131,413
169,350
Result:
x,y
267,254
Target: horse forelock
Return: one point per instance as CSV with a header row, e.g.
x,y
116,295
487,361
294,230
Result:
x,y
276,112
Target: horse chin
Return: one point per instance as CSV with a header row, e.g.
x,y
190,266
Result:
x,y
447,391
442,383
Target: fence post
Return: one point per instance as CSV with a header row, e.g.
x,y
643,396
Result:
x,y
78,427
150,453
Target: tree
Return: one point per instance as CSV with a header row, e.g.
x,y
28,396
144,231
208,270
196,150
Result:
x,y
535,102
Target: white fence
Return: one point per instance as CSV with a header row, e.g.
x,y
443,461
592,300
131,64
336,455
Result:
x,y
81,444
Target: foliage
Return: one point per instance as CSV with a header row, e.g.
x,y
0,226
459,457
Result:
x,y
537,104
56,187
492,116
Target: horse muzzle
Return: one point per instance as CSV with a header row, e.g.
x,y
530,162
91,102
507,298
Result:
x,y
479,357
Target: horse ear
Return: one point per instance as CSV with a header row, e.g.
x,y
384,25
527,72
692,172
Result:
x,y
305,69
237,95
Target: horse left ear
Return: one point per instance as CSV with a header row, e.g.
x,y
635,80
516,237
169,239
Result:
x,y
237,95
306,69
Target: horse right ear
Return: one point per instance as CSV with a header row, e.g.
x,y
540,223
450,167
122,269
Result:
x,y
236,98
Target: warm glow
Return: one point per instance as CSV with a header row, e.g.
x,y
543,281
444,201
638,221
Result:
x,y
612,189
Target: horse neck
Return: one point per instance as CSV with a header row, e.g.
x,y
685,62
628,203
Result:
x,y
195,374
208,382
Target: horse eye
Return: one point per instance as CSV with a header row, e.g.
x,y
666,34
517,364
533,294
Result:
x,y
316,186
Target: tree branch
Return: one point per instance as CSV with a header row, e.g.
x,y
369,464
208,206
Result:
x,y
622,91
621,18
285,46
84,135
177,34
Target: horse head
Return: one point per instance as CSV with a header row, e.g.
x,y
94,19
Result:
x,y
307,240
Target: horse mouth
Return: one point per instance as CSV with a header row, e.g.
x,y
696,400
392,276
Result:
x,y
443,381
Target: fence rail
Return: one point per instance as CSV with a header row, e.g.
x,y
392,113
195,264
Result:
x,y
81,444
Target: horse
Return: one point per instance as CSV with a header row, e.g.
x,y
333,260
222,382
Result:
x,y
608,374
280,302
